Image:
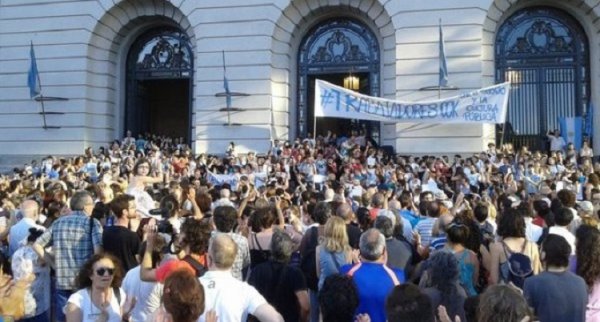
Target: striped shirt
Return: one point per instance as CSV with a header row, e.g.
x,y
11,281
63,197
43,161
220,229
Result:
x,y
425,228
72,244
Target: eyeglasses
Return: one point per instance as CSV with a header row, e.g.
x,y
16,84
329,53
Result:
x,y
102,270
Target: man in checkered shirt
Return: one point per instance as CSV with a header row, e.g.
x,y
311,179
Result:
x,y
74,239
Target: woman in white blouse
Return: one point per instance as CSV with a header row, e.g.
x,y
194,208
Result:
x,y
99,299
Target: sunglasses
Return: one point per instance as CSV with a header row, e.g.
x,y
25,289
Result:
x,y
102,270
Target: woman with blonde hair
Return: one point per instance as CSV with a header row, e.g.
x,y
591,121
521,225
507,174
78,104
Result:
x,y
334,250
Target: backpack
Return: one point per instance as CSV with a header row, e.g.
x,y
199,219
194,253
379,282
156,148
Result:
x,y
517,266
308,263
197,266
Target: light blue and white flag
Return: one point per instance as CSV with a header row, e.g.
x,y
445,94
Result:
x,y
589,121
443,81
33,78
571,129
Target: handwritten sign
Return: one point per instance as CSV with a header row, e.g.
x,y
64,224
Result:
x,y
486,105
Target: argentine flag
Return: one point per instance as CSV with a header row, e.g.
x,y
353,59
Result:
x,y
33,77
571,129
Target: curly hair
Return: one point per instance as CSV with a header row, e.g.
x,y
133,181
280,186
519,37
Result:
x,y
511,224
444,270
502,303
406,302
83,277
183,296
197,235
588,254
338,298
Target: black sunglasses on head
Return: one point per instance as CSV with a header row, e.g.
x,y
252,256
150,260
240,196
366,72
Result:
x,y
102,270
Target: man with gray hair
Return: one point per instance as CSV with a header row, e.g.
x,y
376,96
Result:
x,y
373,278
20,231
399,251
74,239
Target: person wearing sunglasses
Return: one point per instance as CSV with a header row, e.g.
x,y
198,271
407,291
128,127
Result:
x,y
99,298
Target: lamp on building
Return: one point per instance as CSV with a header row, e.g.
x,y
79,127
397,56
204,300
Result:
x,y
351,82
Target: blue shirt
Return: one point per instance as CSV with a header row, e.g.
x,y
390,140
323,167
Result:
x,y
374,283
410,216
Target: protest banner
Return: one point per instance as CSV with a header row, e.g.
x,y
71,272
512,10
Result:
x,y
486,105
220,179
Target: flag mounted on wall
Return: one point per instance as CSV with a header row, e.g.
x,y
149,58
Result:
x,y
589,121
443,81
33,77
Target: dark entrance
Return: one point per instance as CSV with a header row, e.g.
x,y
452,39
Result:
x,y
544,53
159,87
339,125
165,106
332,50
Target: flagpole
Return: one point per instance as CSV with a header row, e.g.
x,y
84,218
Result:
x,y
227,98
39,80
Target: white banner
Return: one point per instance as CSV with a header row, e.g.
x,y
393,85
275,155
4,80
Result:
x,y
487,105
220,179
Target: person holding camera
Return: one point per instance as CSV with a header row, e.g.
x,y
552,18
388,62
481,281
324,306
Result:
x,y
192,242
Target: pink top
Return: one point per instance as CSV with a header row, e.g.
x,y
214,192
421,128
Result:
x,y
592,313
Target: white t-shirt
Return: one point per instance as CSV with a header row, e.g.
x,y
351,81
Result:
x,y
89,311
135,287
231,299
562,231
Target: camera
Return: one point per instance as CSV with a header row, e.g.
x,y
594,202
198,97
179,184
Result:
x,y
162,226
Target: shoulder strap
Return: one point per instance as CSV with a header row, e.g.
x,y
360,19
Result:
x,y
117,294
199,268
524,246
92,232
335,261
314,236
256,241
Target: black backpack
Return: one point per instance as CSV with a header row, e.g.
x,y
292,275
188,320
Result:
x,y
308,263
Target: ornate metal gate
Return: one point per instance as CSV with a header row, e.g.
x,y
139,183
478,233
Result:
x,y
160,54
337,46
544,53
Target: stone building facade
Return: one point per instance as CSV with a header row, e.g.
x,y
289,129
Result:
x,y
156,65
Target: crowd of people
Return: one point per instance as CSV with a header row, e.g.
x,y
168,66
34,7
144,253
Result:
x,y
330,228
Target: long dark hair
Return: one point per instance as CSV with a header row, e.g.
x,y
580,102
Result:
x,y
588,254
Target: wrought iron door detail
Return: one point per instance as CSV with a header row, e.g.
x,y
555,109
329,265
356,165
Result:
x,y
543,52
162,54
338,45
159,54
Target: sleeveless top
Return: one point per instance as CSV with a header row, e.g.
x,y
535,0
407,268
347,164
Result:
x,y
329,263
467,269
258,256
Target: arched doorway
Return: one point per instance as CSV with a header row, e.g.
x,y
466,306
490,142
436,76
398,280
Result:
x,y
544,53
159,84
333,50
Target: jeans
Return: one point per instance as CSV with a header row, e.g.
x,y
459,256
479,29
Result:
x,y
43,317
314,305
60,301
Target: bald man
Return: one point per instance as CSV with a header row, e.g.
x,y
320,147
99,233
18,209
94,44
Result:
x,y
230,298
20,231
345,212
